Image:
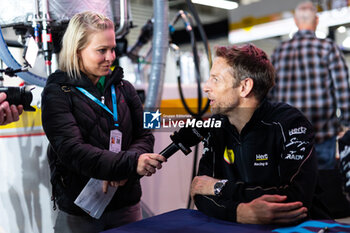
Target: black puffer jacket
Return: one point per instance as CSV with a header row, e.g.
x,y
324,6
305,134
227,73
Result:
x,y
78,130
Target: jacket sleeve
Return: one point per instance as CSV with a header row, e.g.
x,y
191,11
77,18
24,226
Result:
x,y
222,208
297,172
340,80
143,139
73,152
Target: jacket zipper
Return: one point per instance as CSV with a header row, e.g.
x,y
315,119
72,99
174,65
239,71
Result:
x,y
243,159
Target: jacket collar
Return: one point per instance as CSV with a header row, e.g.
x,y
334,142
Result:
x,y
304,34
260,112
264,108
62,78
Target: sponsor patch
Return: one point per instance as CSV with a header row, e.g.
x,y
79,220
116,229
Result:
x,y
260,164
229,156
260,157
292,156
300,130
294,141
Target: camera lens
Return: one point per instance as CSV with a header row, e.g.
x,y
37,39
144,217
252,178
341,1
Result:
x,y
19,95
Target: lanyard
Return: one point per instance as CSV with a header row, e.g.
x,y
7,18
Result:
x,y
97,101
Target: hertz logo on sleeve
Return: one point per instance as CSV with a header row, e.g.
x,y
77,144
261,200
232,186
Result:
x,y
229,156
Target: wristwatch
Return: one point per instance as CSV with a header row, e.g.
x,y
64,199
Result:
x,y
218,186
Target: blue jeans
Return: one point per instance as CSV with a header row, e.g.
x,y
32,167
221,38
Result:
x,y
325,153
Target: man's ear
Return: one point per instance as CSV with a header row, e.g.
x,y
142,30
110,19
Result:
x,y
246,87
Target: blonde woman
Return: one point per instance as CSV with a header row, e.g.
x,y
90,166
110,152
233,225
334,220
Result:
x,y
84,106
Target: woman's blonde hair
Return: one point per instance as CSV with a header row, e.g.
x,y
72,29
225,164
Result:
x,y
76,38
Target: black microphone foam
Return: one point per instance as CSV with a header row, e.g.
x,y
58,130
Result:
x,y
189,136
184,139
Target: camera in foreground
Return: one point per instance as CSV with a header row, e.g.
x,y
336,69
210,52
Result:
x,y
19,95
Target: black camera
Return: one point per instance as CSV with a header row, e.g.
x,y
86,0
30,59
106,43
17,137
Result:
x,y
19,95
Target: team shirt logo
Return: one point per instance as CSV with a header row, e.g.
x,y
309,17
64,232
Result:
x,y
229,156
263,157
261,160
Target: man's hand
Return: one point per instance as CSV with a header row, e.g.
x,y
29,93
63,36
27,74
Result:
x,y
8,113
203,185
270,209
105,184
148,163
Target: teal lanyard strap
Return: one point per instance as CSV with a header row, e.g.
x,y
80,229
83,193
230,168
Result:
x,y
114,100
97,101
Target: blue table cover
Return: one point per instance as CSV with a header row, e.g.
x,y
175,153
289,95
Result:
x,y
193,221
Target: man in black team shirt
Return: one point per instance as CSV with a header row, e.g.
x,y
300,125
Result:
x,y
260,166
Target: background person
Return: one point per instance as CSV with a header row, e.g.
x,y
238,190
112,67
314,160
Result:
x,y
8,113
78,128
260,166
311,75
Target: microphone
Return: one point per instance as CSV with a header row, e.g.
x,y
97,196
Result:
x,y
184,139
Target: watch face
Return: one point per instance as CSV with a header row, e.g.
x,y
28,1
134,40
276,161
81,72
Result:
x,y
218,185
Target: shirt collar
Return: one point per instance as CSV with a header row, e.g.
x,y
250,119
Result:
x,y
304,33
257,116
101,84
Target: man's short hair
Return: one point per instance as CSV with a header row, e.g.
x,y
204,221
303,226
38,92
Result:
x,y
248,61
